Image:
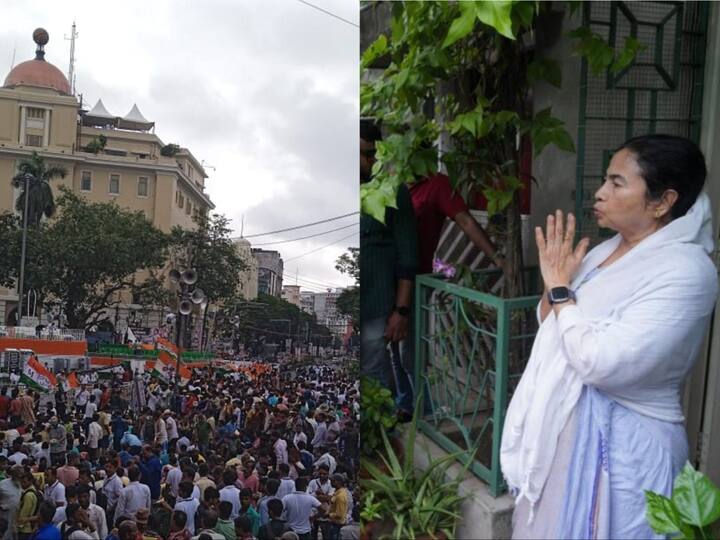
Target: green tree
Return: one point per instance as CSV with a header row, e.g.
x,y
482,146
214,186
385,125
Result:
x,y
91,252
10,230
275,319
40,196
348,303
209,250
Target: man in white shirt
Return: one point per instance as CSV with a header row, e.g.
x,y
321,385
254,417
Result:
x,y
231,493
321,487
54,488
298,507
112,487
174,476
287,485
81,399
280,448
171,426
188,504
96,515
95,433
134,496
17,457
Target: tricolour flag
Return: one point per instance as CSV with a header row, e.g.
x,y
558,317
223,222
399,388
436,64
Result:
x,y
166,347
37,376
165,369
71,382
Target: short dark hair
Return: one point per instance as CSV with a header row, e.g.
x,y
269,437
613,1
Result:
x,y
369,130
229,477
179,517
133,473
185,489
275,507
225,509
211,493
47,511
209,518
670,162
272,485
71,510
301,483
243,522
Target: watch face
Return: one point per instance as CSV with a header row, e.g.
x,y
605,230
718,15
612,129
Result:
x,y
559,294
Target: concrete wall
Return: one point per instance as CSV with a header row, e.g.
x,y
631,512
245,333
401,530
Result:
x,y
554,169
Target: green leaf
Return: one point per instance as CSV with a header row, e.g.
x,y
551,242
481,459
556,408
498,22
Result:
x,y
461,26
545,69
375,197
496,13
697,499
525,12
627,55
378,48
661,514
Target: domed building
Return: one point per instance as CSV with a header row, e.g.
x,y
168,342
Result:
x,y
107,157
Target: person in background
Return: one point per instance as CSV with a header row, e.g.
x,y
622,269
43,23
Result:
x,y
389,262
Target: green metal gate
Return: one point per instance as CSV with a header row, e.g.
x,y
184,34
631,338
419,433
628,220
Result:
x,y
661,92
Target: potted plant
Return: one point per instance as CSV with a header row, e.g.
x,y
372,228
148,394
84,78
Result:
x,y
401,502
377,417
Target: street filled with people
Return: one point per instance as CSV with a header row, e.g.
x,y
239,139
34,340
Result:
x,y
229,455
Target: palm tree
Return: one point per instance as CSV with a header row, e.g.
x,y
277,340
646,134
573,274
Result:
x,y
40,196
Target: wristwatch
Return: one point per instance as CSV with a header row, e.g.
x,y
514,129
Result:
x,y
402,310
560,295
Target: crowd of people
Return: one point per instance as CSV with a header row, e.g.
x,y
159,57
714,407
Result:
x,y
226,457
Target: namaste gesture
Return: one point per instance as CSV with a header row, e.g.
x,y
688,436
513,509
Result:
x,y
558,260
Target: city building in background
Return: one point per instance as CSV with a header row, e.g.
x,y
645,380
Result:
x,y
248,276
307,302
108,157
291,293
270,271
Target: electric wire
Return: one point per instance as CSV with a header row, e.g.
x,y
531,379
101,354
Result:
x,y
329,13
306,237
299,226
320,248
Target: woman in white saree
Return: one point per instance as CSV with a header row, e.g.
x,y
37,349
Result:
x,y
596,418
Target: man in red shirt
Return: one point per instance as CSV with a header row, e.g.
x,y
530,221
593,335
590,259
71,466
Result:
x,y
433,199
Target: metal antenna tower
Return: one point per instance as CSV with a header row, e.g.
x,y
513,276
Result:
x,y
71,69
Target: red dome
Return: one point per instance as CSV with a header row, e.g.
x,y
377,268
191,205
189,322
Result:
x,y
38,73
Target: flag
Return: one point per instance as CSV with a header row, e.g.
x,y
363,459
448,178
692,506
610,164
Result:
x,y
166,347
130,336
37,376
71,382
165,369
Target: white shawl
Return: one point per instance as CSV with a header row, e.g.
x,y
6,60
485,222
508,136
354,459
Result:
x,y
635,333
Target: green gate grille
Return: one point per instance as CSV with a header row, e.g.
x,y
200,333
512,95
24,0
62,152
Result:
x,y
661,92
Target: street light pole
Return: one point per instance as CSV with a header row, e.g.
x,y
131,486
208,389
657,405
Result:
x,y
21,284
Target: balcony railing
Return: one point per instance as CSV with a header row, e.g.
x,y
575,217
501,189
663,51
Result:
x,y
471,349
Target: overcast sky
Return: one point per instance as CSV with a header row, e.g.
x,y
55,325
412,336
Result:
x,y
264,91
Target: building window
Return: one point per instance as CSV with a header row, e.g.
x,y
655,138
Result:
x,y
33,140
188,208
33,112
181,201
86,181
114,184
142,186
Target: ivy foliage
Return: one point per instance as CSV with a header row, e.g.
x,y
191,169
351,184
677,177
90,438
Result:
x,y
462,73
